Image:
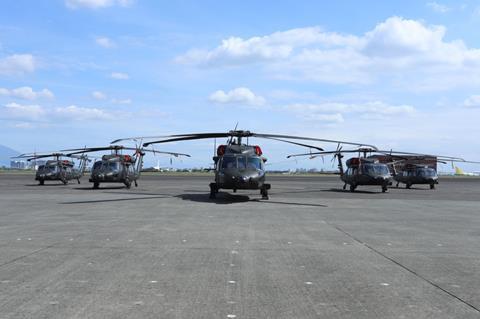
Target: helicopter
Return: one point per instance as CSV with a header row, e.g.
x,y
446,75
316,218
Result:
x,y
239,165
361,170
57,169
404,167
421,169
117,167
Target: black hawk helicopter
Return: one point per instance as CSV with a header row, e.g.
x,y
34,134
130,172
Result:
x,y
420,169
361,170
117,167
404,167
57,169
238,165
413,168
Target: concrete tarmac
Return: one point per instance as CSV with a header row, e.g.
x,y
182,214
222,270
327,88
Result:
x,y
164,250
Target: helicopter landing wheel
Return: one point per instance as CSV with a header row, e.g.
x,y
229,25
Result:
x,y
264,192
234,190
136,184
41,182
352,187
432,186
96,185
398,183
64,181
127,183
384,189
408,185
78,180
213,190
344,186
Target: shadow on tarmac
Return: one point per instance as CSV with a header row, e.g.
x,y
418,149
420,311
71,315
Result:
x,y
336,190
222,198
45,185
227,198
90,188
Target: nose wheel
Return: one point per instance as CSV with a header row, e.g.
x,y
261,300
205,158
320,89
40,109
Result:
x,y
213,190
264,191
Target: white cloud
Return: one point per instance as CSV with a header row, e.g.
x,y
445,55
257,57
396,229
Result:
x,y
405,53
119,76
99,95
239,95
96,4
438,7
277,46
25,112
336,111
17,64
121,101
472,101
105,42
27,93
37,113
323,118
77,113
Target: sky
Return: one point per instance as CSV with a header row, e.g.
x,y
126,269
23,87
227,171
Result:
x,y
402,75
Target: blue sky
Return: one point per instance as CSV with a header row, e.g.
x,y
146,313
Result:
x,y
397,74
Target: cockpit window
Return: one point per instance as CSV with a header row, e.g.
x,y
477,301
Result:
x,y
375,169
229,162
241,162
254,162
97,165
112,166
108,166
48,168
426,172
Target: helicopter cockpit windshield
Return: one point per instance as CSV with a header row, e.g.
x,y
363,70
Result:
x,y
229,162
112,166
376,169
48,168
106,166
241,162
426,172
254,163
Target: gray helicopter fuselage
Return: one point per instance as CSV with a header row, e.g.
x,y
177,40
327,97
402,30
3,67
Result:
x,y
239,167
364,171
57,171
367,174
417,175
113,169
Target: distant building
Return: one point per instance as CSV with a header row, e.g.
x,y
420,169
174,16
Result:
x,y
18,165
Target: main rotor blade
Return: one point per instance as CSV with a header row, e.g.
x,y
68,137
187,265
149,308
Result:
x,y
295,143
37,154
155,151
326,153
94,149
194,136
310,139
32,157
137,138
199,135
184,137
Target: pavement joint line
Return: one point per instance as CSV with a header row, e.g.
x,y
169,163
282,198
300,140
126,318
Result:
x,y
451,294
112,200
27,255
